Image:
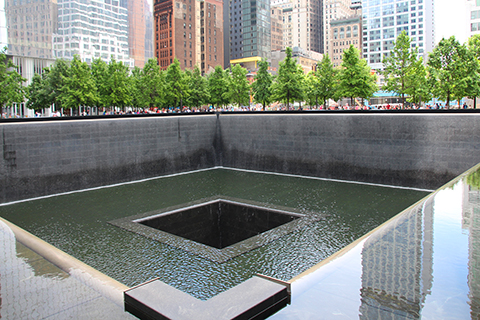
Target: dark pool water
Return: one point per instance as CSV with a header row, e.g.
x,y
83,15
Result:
x,y
77,223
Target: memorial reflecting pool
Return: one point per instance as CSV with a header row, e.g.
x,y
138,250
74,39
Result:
x,y
424,263
78,223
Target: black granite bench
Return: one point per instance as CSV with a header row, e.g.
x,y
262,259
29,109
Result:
x,y
257,298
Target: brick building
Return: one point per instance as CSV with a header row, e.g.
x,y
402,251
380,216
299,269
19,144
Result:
x,y
189,30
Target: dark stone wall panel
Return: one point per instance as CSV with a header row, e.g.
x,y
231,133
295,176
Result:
x,y
423,150
412,150
51,157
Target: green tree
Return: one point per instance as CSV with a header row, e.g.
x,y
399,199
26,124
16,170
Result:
x,y
218,87
11,82
55,82
238,86
474,48
323,82
100,76
418,89
118,85
149,85
289,84
79,87
261,87
450,67
311,95
177,89
355,79
400,67
36,92
199,89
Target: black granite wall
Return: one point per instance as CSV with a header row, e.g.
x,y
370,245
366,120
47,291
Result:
x,y
407,149
48,157
423,150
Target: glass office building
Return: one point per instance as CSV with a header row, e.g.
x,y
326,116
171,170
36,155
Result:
x,y
384,20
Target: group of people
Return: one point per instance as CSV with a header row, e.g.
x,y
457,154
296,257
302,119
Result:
x,y
253,107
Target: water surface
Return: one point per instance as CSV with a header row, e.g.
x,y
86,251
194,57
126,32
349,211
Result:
x,y
77,223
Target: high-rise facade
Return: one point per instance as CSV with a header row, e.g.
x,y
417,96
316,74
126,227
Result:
x,y
344,32
303,24
250,30
140,31
211,42
384,20
473,17
28,27
119,29
334,10
277,28
93,29
191,31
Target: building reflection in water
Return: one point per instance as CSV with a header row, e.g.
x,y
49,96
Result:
x,y
471,222
397,265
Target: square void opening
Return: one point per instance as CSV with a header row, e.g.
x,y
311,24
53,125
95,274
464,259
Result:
x,y
217,229
219,223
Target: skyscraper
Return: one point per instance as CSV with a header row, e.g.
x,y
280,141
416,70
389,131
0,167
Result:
x,y
119,29
303,24
29,27
277,28
191,31
93,29
334,10
140,32
473,17
250,30
383,21
344,33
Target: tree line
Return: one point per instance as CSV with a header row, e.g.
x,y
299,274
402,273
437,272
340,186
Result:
x,y
74,84
451,73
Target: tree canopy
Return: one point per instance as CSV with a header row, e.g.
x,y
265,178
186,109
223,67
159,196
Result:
x,y
177,85
239,88
450,68
289,84
11,82
261,87
402,70
218,87
355,78
322,83
79,87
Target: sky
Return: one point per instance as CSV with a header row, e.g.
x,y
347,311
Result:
x,y
451,19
